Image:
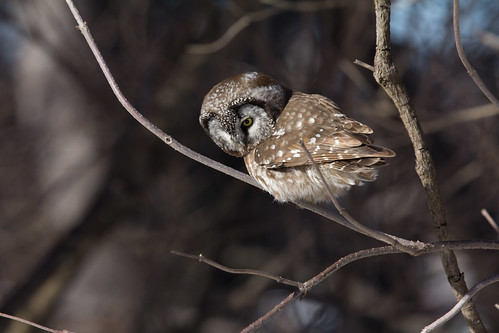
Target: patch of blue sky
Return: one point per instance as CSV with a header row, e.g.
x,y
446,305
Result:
x,y
427,24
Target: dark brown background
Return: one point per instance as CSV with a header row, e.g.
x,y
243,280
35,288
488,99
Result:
x,y
91,204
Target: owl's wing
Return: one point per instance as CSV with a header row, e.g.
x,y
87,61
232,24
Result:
x,y
329,136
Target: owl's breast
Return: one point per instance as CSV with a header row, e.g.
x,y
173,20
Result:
x,y
300,183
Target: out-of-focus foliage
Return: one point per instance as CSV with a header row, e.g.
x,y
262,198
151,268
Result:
x,y
91,204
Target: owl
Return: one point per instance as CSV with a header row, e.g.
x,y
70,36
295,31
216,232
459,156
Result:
x,y
252,116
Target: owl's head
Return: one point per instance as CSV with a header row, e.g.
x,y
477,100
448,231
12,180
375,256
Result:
x,y
239,112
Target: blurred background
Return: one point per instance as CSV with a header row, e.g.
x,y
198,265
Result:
x,y
91,203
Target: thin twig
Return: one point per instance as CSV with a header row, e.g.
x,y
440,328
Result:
x,y
232,31
469,68
30,323
307,286
363,64
490,40
249,18
364,229
317,279
460,116
489,219
210,262
82,26
455,310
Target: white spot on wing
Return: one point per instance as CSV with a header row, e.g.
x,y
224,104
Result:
x,y
280,132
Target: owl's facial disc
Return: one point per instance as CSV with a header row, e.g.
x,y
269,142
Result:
x,y
254,125
221,132
239,130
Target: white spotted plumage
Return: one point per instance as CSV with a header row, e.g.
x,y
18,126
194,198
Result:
x,y
280,120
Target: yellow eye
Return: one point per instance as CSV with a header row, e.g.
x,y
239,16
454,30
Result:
x,y
247,122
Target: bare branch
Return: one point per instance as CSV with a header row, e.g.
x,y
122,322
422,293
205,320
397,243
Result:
x,y
201,258
455,310
30,323
249,18
232,32
489,39
359,226
469,68
387,76
489,219
384,250
307,286
82,26
460,116
363,64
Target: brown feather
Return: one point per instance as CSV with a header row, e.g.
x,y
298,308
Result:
x,y
331,138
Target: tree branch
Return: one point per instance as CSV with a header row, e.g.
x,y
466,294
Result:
x,y
30,323
314,281
201,258
82,26
305,287
489,219
455,310
460,51
232,31
387,76
249,18
412,249
310,284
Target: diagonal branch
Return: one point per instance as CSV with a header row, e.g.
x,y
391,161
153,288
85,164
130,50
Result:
x,y
30,323
244,21
460,51
387,76
202,258
489,219
232,32
411,249
310,284
304,288
362,254
82,26
455,310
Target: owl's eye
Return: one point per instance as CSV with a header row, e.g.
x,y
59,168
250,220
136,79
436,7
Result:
x,y
247,122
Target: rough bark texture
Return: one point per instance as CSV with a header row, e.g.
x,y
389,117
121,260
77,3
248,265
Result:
x,y
387,76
